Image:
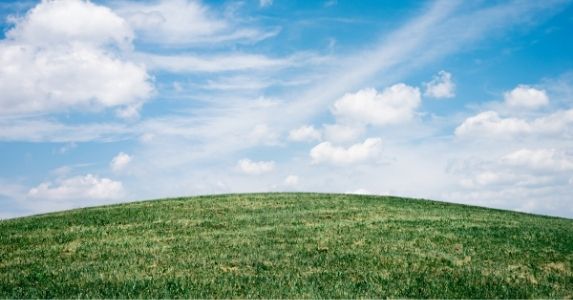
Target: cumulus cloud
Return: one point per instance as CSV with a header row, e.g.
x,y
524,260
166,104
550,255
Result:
x,y
539,159
396,104
491,124
120,161
59,22
508,122
527,97
250,167
304,133
78,188
63,54
441,86
328,153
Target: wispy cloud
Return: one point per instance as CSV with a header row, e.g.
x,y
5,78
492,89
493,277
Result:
x,y
45,130
179,23
189,63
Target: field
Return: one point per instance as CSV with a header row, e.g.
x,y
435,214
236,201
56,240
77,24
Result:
x,y
286,245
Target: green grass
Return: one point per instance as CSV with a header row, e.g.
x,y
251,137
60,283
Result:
x,y
290,245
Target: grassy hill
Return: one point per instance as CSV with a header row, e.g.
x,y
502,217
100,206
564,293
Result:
x,y
290,245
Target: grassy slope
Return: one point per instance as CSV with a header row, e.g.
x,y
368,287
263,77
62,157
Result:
x,y
286,245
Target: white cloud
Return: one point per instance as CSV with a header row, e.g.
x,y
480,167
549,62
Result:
x,y
304,133
255,167
327,153
185,63
524,96
539,159
53,60
34,80
227,62
488,178
38,130
558,122
338,133
394,105
441,86
120,161
263,134
490,124
235,83
360,192
424,39
291,180
265,3
129,112
171,21
529,179
78,188
53,23
182,22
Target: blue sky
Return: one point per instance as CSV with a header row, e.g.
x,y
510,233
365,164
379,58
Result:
x,y
112,101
